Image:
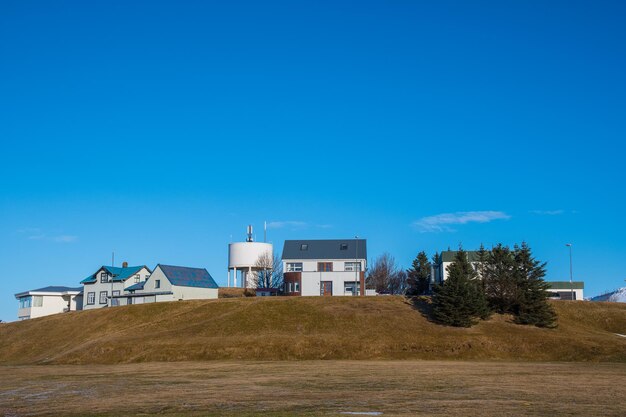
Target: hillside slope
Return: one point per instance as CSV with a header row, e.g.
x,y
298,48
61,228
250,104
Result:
x,y
286,328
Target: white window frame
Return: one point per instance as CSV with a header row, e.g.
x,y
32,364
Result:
x,y
104,277
350,266
137,278
294,267
106,297
91,298
296,287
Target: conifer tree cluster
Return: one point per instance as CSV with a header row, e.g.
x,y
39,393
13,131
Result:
x,y
503,281
460,301
418,276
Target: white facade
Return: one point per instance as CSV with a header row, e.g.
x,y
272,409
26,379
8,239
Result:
x,y
97,294
315,279
159,288
47,301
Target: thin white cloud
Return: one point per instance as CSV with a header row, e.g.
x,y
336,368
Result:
x,y
442,222
34,233
324,226
547,212
294,224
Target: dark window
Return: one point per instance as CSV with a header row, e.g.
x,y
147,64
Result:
x,y
325,266
157,283
343,246
137,278
304,246
104,277
103,297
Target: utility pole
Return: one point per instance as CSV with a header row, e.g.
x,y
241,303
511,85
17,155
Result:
x,y
571,281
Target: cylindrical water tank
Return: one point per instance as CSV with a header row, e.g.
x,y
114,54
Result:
x,y
247,254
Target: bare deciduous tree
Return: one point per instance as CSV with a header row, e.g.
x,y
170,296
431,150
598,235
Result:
x,y
385,276
270,274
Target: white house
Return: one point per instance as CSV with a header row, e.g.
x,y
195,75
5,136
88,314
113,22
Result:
x,y
440,269
170,283
48,300
324,267
110,281
564,290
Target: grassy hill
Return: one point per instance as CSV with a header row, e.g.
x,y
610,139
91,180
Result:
x,y
285,328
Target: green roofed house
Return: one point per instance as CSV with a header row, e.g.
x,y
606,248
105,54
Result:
x,y
564,290
440,269
170,283
101,287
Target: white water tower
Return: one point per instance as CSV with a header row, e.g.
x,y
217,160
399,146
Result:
x,y
245,256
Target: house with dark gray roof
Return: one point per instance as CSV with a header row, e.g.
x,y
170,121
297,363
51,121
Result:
x,y
170,283
48,300
324,267
101,288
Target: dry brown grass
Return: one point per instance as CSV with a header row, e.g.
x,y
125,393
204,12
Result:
x,y
291,328
315,388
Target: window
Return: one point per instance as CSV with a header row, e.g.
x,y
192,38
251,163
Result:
x,y
291,287
325,266
91,298
304,246
352,266
157,283
343,246
294,267
25,302
114,301
147,276
350,286
104,277
103,297
37,300
296,287
129,300
137,278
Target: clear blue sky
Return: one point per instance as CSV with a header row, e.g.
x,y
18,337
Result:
x,y
160,129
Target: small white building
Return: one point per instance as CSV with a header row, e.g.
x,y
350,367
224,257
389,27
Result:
x,y
170,283
110,281
564,290
324,267
47,301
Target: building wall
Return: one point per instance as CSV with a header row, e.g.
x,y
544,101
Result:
x,y
50,304
566,293
310,278
97,287
179,292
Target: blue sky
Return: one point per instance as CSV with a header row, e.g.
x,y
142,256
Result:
x,y
160,129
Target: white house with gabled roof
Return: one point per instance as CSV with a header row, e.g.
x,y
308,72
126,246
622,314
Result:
x,y
101,288
171,283
48,300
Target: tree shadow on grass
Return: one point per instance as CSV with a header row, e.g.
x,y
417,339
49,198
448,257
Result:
x,y
423,304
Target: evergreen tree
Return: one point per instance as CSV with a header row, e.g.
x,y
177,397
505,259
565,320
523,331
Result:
x,y
533,305
418,276
500,285
460,300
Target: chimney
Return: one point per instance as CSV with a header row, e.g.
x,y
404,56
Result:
x,y
124,264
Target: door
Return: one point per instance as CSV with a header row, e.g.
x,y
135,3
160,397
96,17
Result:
x,y
326,288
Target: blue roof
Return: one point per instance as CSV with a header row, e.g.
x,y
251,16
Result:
x,y
121,274
188,277
137,286
53,288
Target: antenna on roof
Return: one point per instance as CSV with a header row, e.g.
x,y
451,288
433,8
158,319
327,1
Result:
x,y
113,258
249,238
